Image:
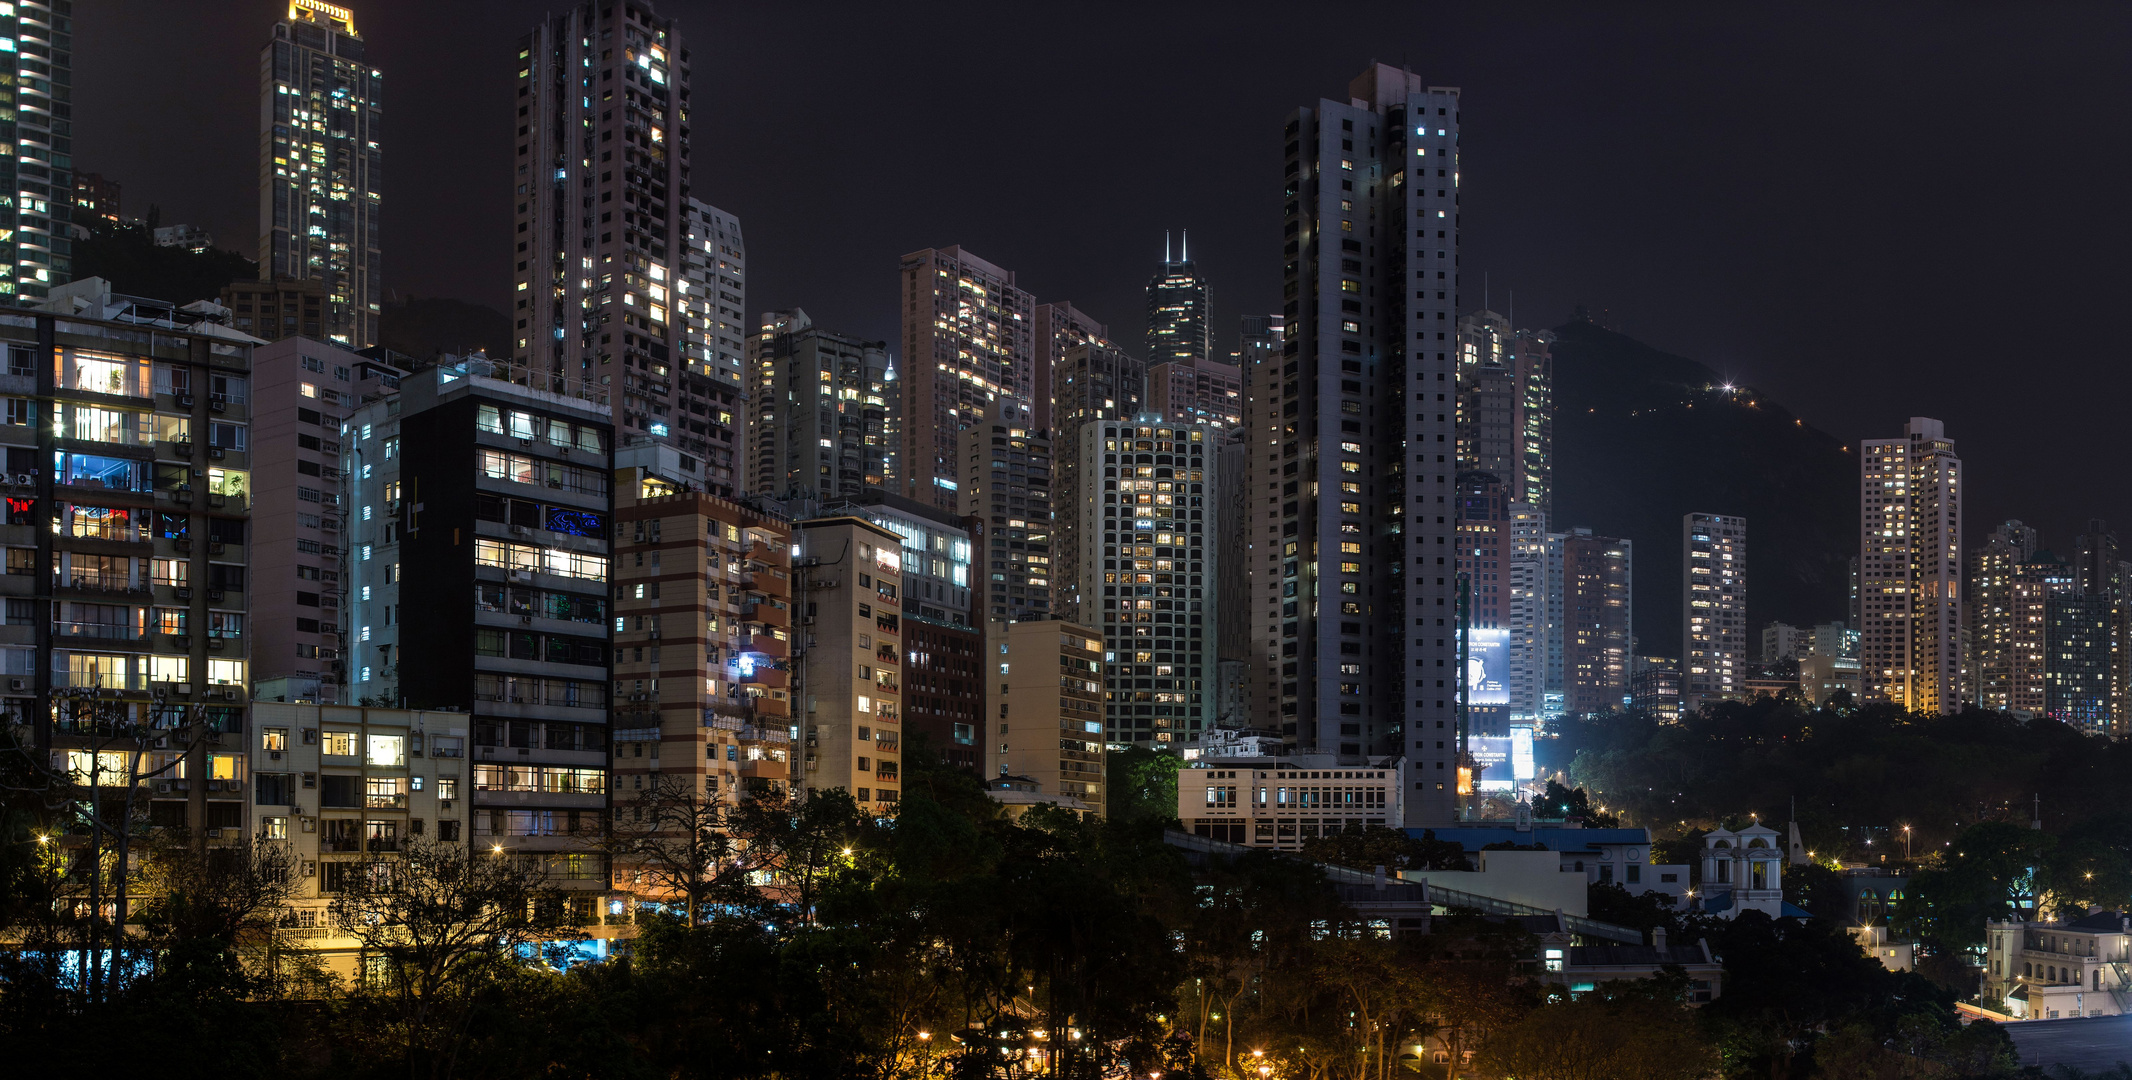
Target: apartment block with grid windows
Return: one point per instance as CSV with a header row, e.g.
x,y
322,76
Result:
x,y
129,493
467,485
703,634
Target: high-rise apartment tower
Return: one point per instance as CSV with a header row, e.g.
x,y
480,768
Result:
x,y
1713,615
320,125
1351,463
969,345
1910,568
610,250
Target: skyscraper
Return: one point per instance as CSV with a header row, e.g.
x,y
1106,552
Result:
x,y
1351,463
1059,328
1598,624
1506,422
1998,636
608,240
818,423
1713,621
1177,327
320,125
969,344
714,263
1005,486
1910,568
1532,615
1149,558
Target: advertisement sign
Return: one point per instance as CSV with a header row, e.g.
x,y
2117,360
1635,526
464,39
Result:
x,y
1521,766
1488,667
1491,758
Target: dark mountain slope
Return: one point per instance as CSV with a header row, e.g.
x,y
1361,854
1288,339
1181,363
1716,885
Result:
x,y
1643,437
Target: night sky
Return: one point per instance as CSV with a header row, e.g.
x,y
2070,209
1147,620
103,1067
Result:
x,y
1915,209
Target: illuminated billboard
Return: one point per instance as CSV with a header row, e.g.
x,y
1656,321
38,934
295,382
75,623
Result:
x,y
1521,764
1488,667
1491,758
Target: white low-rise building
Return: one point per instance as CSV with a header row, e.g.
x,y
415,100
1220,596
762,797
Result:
x,y
1281,802
2054,970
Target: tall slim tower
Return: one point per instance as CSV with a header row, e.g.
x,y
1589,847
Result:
x,y
608,240
319,166
1910,568
1506,422
1351,462
1598,622
1713,617
969,345
1177,330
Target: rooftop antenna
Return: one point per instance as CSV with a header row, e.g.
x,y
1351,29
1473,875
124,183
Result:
x,y
1165,245
1184,246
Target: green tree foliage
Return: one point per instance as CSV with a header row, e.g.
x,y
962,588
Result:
x,y
1628,1033
1858,775
1393,849
1562,802
1142,785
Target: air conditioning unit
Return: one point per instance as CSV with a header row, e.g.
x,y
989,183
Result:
x,y
274,755
229,695
214,834
310,868
218,405
444,804
520,530
214,451
162,787
162,742
184,401
18,684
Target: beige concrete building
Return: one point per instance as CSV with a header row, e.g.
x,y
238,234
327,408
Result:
x,y
703,639
1050,707
2053,970
847,588
1280,802
340,784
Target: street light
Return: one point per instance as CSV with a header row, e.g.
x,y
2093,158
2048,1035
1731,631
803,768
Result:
x,y
1906,842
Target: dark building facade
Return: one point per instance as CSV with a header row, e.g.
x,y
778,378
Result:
x,y
1351,461
471,487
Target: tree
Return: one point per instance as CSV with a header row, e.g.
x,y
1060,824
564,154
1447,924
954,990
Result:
x,y
1393,849
1142,785
439,927
672,842
1559,801
1601,1036
1990,869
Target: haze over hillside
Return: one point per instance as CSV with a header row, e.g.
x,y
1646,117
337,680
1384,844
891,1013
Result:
x,y
1643,437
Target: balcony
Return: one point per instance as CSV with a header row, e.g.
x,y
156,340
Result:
x,y
385,802
775,648
775,705
766,769
766,675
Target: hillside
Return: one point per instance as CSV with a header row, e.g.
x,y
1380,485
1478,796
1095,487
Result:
x,y
1643,437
